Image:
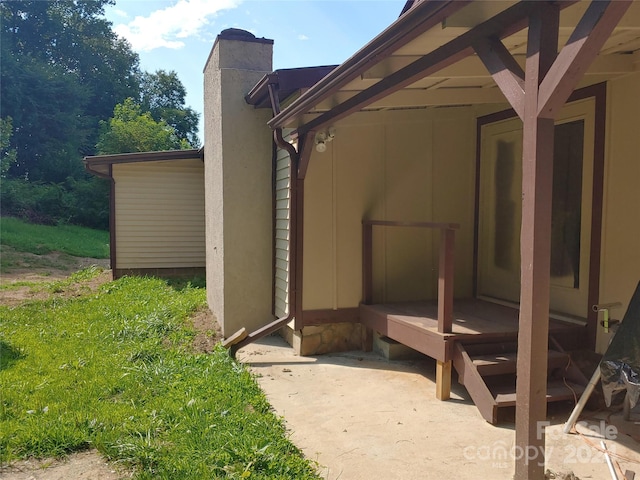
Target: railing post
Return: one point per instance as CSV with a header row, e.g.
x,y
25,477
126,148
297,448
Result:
x,y
445,281
367,262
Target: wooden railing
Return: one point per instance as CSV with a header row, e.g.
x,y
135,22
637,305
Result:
x,y
445,270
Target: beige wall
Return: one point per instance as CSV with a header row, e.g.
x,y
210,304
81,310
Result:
x,y
159,214
620,270
420,165
404,165
238,158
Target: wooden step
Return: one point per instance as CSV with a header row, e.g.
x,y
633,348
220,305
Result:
x,y
488,372
557,391
503,363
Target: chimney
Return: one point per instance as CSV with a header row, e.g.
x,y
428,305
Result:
x,y
238,190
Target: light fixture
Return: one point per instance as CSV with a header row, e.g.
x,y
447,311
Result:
x,y
324,137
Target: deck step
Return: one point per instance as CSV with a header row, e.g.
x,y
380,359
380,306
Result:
x,y
503,363
557,391
488,372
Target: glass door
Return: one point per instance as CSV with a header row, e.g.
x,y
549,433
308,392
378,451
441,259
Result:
x,y
500,210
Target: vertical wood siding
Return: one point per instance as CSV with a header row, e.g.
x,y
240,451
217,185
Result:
x,y
413,165
160,214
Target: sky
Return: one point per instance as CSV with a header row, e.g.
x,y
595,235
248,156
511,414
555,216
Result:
x,y
178,34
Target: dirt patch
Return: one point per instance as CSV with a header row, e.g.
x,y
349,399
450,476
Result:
x,y
29,267
87,465
38,277
41,287
208,331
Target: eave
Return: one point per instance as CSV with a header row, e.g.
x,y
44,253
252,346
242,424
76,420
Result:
x,y
435,62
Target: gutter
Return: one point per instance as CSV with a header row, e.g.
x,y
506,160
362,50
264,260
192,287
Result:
x,y
420,18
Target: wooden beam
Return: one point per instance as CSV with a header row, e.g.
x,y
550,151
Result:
x,y
535,248
411,97
583,46
305,147
472,67
505,70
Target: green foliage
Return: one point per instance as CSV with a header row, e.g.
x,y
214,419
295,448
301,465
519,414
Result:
x,y
82,201
39,239
131,130
113,371
7,154
63,69
63,72
163,95
46,104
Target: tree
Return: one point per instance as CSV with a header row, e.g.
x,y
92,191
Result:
x,y
132,130
63,70
163,95
7,154
46,104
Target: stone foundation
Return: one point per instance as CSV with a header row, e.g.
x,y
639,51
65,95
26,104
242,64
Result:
x,y
321,339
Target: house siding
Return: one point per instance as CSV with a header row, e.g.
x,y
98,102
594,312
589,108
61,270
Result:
x,y
282,233
159,214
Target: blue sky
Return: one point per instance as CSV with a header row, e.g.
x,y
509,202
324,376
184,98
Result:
x,y
178,34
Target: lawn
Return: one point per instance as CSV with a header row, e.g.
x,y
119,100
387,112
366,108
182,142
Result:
x,y
41,239
113,368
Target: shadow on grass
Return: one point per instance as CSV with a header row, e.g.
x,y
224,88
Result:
x,y
8,355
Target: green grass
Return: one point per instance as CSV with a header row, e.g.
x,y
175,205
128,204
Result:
x,y
114,370
41,239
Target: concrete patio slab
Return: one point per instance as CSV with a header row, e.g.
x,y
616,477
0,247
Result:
x,y
360,416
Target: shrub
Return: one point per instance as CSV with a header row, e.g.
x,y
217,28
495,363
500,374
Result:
x,y
82,202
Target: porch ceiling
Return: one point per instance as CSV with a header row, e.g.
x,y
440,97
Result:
x,y
464,82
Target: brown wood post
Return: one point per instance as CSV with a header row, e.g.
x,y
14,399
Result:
x,y
445,308
367,262
445,280
535,249
367,279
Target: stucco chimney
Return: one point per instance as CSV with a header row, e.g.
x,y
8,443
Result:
x,y
238,198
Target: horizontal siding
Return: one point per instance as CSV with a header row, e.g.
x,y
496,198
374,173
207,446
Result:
x,y
282,228
160,214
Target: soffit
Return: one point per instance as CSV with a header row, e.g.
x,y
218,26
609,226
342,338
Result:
x,y
467,81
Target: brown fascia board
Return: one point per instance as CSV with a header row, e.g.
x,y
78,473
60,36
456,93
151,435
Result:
x,y
419,18
409,5
288,81
96,164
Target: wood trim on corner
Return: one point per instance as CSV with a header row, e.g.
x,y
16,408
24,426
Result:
x,y
324,316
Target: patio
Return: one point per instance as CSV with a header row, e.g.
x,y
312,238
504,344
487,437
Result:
x,y
363,417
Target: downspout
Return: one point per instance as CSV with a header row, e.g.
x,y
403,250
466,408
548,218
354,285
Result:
x,y
292,295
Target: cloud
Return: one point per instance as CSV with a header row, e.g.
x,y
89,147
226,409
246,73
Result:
x,y
120,13
302,37
170,26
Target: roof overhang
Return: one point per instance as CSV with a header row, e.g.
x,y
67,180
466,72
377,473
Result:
x,y
100,164
427,58
287,82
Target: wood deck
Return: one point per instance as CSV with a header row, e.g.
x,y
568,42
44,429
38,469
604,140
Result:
x,y
415,324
